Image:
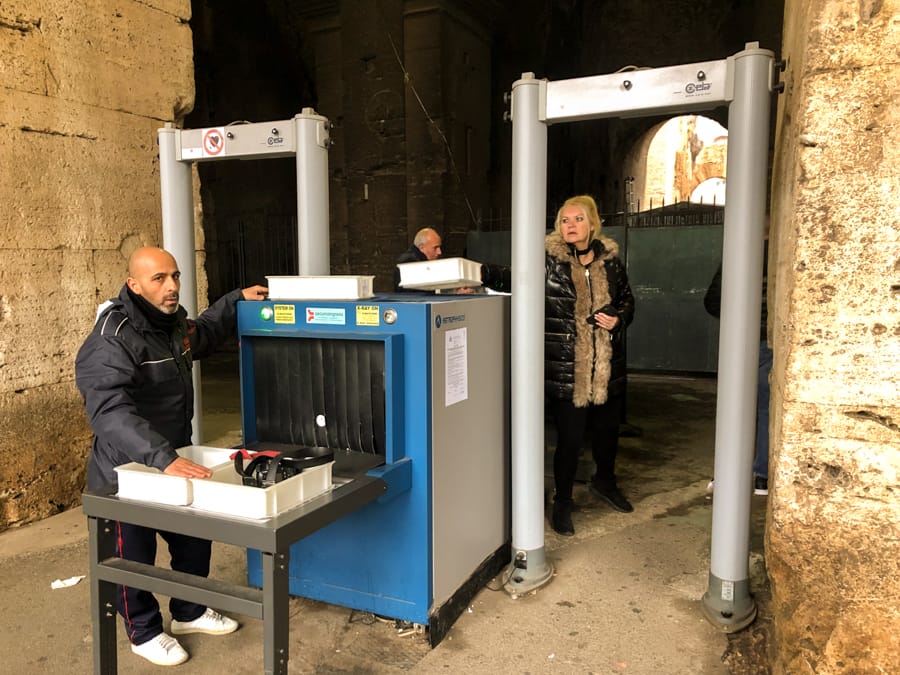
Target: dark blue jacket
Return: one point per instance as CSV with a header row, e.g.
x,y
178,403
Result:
x,y
713,298
137,385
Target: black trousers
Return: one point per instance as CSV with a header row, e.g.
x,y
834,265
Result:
x,y
139,608
571,425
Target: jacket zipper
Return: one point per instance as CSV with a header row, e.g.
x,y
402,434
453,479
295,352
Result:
x,y
184,373
587,274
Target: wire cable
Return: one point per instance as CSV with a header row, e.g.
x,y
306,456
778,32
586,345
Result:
x,y
408,80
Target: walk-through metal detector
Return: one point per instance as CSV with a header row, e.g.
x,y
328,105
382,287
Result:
x,y
744,82
305,136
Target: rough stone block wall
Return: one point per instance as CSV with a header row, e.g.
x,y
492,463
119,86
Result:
x,y
833,531
84,86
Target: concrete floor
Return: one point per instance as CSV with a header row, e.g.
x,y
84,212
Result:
x,y
625,597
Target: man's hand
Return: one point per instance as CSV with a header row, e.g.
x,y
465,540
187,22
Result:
x,y
185,468
255,293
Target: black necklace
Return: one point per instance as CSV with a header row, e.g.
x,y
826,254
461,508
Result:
x,y
582,252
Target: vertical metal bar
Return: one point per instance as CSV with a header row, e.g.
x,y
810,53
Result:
x,y
276,612
314,257
727,601
176,193
530,568
101,545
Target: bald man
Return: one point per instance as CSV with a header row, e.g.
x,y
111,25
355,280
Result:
x,y
134,373
426,246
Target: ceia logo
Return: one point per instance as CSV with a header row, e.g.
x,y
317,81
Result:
x,y
456,318
696,87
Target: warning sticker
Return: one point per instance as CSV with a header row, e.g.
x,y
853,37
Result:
x,y
214,142
284,314
366,315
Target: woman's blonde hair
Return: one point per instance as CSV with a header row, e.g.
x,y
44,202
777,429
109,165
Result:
x,y
587,204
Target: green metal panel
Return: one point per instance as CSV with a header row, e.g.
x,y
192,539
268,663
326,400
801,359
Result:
x,y
669,269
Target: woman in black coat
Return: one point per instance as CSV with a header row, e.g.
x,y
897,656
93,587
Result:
x,y
588,305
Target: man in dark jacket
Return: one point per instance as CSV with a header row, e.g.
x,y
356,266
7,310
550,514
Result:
x,y
134,373
426,246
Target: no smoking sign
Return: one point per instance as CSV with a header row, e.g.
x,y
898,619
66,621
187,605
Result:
x,y
214,142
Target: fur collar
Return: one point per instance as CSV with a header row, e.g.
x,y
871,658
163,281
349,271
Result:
x,y
604,248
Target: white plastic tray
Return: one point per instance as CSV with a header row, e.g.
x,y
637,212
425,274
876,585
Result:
x,y
223,492
144,483
432,275
336,287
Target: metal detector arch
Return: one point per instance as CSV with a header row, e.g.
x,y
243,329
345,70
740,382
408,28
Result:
x,y
306,136
744,82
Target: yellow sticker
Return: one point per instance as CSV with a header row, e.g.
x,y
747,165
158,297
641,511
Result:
x,y
366,315
284,314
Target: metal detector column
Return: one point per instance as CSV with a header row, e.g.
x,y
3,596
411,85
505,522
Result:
x,y
312,193
176,192
529,567
306,136
727,601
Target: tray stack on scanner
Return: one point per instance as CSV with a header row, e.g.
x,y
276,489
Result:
x,y
334,287
440,275
223,492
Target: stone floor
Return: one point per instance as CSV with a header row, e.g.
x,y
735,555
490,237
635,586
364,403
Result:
x,y
625,597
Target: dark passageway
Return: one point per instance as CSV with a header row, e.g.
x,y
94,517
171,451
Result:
x,y
416,97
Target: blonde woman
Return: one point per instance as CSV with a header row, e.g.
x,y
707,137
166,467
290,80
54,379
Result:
x,y
588,305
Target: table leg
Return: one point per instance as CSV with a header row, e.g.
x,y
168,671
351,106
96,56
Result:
x,y
102,545
276,612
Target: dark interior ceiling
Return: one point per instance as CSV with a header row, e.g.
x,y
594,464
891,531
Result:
x,y
257,65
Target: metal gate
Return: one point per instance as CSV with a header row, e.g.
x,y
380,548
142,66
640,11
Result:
x,y
671,253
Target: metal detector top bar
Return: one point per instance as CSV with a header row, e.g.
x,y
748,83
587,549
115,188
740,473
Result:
x,y
238,141
636,93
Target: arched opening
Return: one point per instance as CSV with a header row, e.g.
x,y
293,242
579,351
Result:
x,y
711,191
674,215
673,158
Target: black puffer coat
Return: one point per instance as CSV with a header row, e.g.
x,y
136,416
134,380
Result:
x,y
584,363
137,385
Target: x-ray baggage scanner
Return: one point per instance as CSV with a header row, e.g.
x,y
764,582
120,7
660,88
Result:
x,y
409,388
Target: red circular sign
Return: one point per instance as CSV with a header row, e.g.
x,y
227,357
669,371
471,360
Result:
x,y
213,143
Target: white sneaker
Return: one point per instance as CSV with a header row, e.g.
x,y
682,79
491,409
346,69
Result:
x,y
210,623
163,650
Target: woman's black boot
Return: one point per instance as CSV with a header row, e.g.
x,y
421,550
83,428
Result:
x,y
561,517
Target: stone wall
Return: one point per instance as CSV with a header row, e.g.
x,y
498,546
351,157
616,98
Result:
x,y
84,85
833,531
407,87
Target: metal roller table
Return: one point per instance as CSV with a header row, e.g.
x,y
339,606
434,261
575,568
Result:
x,y
272,537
